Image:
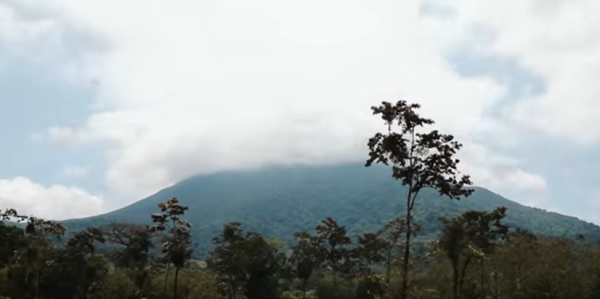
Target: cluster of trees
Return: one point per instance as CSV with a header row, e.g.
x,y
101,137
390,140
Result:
x,y
474,256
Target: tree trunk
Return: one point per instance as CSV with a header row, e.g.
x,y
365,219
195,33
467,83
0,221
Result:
x,y
334,266
334,279
37,284
455,281
389,267
304,288
463,273
175,282
404,290
232,288
495,284
142,276
482,277
166,279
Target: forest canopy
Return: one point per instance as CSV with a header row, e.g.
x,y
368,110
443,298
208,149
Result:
x,y
431,248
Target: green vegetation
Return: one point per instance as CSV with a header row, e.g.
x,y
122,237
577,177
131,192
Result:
x,y
334,232
277,202
418,161
475,255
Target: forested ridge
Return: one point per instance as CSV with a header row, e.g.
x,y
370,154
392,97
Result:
x,y
278,201
492,260
424,234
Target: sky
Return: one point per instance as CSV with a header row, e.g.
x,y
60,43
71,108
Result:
x,y
105,102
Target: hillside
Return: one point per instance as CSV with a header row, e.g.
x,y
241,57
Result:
x,y
280,201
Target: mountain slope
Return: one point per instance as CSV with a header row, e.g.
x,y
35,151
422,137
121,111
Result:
x,y
280,201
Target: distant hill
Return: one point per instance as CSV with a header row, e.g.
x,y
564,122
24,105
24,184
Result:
x,y
282,200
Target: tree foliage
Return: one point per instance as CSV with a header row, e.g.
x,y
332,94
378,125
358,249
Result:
x,y
468,238
247,264
177,244
418,160
474,256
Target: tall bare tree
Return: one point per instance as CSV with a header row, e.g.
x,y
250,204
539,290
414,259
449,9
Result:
x,y
177,244
418,160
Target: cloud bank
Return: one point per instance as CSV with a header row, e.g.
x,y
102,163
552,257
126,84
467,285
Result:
x,y
55,202
187,87
234,85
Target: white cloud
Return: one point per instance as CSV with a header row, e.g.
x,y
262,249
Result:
x,y
557,40
33,36
498,172
76,171
192,87
56,202
17,31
